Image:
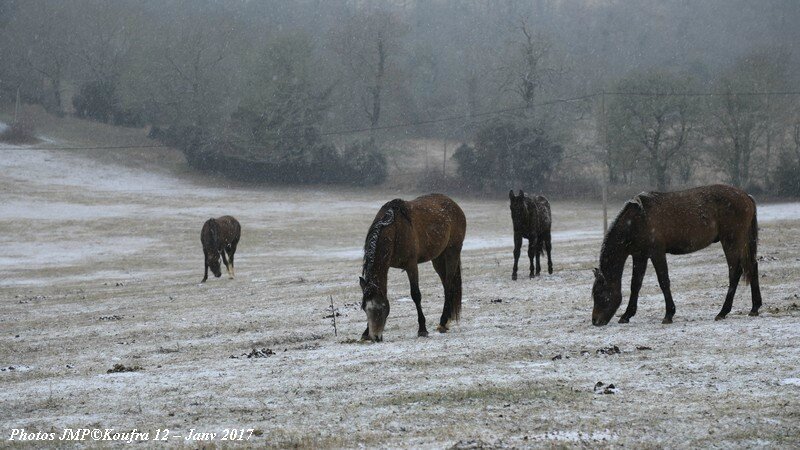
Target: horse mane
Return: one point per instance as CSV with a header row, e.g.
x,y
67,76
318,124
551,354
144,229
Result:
x,y
613,238
213,231
392,209
635,203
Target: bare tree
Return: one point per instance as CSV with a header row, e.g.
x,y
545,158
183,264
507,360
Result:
x,y
530,67
368,44
40,32
186,71
653,128
741,118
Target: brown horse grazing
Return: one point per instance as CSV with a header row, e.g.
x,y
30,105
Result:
x,y
532,221
219,236
404,234
654,224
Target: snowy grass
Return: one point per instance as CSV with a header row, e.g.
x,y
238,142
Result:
x,y
101,266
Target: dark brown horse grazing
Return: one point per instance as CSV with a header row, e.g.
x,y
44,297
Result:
x,y
219,236
532,221
404,234
654,224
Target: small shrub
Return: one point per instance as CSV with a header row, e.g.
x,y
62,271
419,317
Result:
x,y
507,154
20,132
365,163
100,101
786,181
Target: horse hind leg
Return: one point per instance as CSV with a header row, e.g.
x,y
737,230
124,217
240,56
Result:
x,y
734,275
227,265
735,271
231,252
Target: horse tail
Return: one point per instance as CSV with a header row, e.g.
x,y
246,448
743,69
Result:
x,y
455,286
540,245
750,249
400,206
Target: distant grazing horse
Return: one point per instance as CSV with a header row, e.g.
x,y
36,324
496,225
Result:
x,y
404,234
532,220
654,224
219,236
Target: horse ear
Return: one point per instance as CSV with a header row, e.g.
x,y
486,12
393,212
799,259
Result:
x,y
511,194
521,194
599,275
362,282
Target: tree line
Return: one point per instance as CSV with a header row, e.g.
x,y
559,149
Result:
x,y
250,88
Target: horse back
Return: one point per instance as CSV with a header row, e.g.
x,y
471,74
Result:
x,y
219,232
230,229
539,216
690,220
437,223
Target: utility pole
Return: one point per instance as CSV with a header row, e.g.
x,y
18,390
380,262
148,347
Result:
x,y
444,162
605,149
16,108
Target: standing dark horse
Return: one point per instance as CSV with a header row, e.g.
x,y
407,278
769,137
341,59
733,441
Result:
x,y
219,236
404,234
654,224
532,220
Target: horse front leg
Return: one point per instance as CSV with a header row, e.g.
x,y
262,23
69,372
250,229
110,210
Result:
x,y
517,247
639,268
205,274
532,253
416,295
660,265
231,252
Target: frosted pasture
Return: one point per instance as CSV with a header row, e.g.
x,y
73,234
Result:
x,y
101,266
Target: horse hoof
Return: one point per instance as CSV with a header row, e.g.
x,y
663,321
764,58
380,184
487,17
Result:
x,y
719,317
623,320
666,321
441,329
422,334
753,314
514,277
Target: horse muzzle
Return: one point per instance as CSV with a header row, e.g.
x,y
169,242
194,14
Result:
x,y
599,321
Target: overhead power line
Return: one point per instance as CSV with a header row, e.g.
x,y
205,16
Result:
x,y
445,119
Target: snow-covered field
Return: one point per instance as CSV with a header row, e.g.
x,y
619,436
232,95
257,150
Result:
x,y
101,266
